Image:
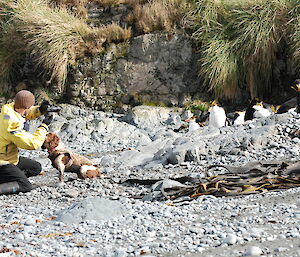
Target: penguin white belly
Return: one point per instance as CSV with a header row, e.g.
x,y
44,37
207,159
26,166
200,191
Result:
x,y
292,110
261,112
193,126
240,119
217,117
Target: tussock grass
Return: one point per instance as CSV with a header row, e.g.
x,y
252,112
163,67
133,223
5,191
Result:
x,y
79,6
51,35
237,40
295,36
238,43
10,53
54,37
259,29
158,15
220,66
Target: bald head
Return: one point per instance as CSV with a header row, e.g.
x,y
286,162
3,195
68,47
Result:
x,y
24,99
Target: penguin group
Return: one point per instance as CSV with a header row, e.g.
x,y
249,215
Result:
x,y
257,109
216,115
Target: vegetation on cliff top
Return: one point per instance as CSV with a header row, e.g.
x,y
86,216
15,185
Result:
x,y
238,41
52,36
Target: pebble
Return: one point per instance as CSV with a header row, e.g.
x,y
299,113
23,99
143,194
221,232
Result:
x,y
154,228
30,221
253,251
72,193
230,239
20,237
280,249
296,140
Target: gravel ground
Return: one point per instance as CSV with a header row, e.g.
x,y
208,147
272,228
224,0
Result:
x,y
104,218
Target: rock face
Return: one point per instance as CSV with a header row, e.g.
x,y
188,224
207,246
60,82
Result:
x,y
152,68
160,67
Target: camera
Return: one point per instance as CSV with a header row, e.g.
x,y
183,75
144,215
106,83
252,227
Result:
x,y
53,108
47,108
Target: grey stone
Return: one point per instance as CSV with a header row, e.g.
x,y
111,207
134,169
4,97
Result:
x,y
98,209
72,193
143,116
253,251
135,158
177,155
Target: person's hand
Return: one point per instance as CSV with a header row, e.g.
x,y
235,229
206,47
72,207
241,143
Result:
x,y
48,119
44,107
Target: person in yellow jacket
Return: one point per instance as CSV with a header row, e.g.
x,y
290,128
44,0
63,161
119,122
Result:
x,y
15,170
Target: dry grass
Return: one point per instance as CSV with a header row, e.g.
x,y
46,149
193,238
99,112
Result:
x,y
79,6
158,15
51,35
73,3
220,66
135,2
295,37
75,6
238,43
147,15
114,33
54,37
11,48
93,41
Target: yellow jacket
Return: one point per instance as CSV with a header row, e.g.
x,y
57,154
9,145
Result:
x,y
13,136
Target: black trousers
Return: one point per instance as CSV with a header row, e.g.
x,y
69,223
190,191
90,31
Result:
x,y
20,172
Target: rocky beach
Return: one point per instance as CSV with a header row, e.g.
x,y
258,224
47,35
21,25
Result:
x,y
105,217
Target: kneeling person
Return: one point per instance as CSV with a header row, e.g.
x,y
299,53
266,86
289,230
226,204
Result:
x,y
15,170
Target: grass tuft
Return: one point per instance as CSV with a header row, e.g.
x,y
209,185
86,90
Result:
x,y
79,7
53,36
197,105
238,43
10,53
294,38
152,15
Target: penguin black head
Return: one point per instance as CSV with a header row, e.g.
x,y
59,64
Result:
x,y
254,101
250,110
237,114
